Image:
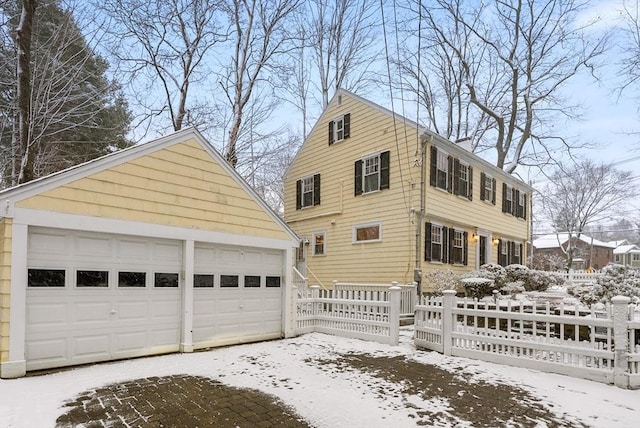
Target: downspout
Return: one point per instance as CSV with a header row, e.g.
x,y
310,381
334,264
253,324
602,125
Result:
x,y
417,274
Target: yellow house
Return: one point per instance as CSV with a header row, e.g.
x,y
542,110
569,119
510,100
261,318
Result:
x,y
376,198
158,248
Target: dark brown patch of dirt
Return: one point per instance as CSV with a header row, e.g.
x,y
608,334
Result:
x,y
480,403
177,401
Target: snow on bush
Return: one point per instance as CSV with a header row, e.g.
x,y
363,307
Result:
x,y
478,287
529,279
513,288
617,280
540,280
442,279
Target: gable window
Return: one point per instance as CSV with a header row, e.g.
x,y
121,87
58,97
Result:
x,y
308,191
463,182
319,239
372,173
340,128
507,198
487,188
371,232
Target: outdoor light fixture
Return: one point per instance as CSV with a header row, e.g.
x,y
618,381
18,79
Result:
x,y
496,241
474,238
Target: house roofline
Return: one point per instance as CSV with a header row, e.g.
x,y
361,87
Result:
x,y
8,197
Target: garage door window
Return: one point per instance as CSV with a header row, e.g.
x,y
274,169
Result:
x,y
166,280
273,281
229,281
132,279
46,278
203,281
251,281
92,278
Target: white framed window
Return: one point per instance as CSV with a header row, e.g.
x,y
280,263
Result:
x,y
319,243
521,199
463,180
307,191
436,242
636,257
487,188
458,246
371,174
508,199
369,232
442,170
339,128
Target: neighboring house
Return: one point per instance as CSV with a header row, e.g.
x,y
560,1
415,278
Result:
x,y
158,248
377,198
628,255
589,252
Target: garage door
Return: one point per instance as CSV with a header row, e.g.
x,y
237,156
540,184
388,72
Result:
x,y
237,295
95,297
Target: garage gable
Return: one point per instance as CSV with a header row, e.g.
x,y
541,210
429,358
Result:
x,y
179,180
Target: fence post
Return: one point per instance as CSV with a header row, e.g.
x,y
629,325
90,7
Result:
x,y
448,300
315,295
570,275
620,314
394,313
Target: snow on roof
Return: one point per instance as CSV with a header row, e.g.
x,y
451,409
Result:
x,y
624,249
619,242
554,240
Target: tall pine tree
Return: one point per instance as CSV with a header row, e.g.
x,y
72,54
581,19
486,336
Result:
x,y
76,113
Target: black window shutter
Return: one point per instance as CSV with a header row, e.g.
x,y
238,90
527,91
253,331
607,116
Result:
x,y
346,125
493,195
445,245
500,255
434,166
427,242
504,197
518,208
451,248
521,254
316,189
384,170
298,194
465,249
450,174
512,251
331,139
357,184
483,179
456,177
524,208
470,178
514,201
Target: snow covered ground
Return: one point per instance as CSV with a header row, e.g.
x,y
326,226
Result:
x,y
325,399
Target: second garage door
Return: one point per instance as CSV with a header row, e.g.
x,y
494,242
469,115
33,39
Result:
x,y
237,295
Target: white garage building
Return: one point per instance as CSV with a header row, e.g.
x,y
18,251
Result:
x,y
158,248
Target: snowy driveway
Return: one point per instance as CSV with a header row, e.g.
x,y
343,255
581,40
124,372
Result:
x,y
336,382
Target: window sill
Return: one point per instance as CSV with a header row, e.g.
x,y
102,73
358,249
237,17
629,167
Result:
x,y
366,242
370,192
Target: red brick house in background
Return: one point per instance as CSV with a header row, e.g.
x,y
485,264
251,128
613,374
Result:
x,y
590,252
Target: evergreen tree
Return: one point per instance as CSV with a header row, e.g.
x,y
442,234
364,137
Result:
x,y
77,113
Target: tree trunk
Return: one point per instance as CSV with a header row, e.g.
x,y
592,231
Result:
x,y
25,154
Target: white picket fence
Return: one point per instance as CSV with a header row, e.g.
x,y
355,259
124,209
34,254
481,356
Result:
x,y
578,277
599,345
408,294
361,314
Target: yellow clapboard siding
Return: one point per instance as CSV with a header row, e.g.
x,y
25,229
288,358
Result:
x,y
372,131
180,186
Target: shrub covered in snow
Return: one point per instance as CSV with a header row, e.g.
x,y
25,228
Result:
x,y
616,280
478,287
529,279
513,288
439,280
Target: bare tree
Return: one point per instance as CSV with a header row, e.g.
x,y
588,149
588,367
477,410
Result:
x,y
630,70
24,155
341,34
162,49
583,194
75,113
515,57
260,37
